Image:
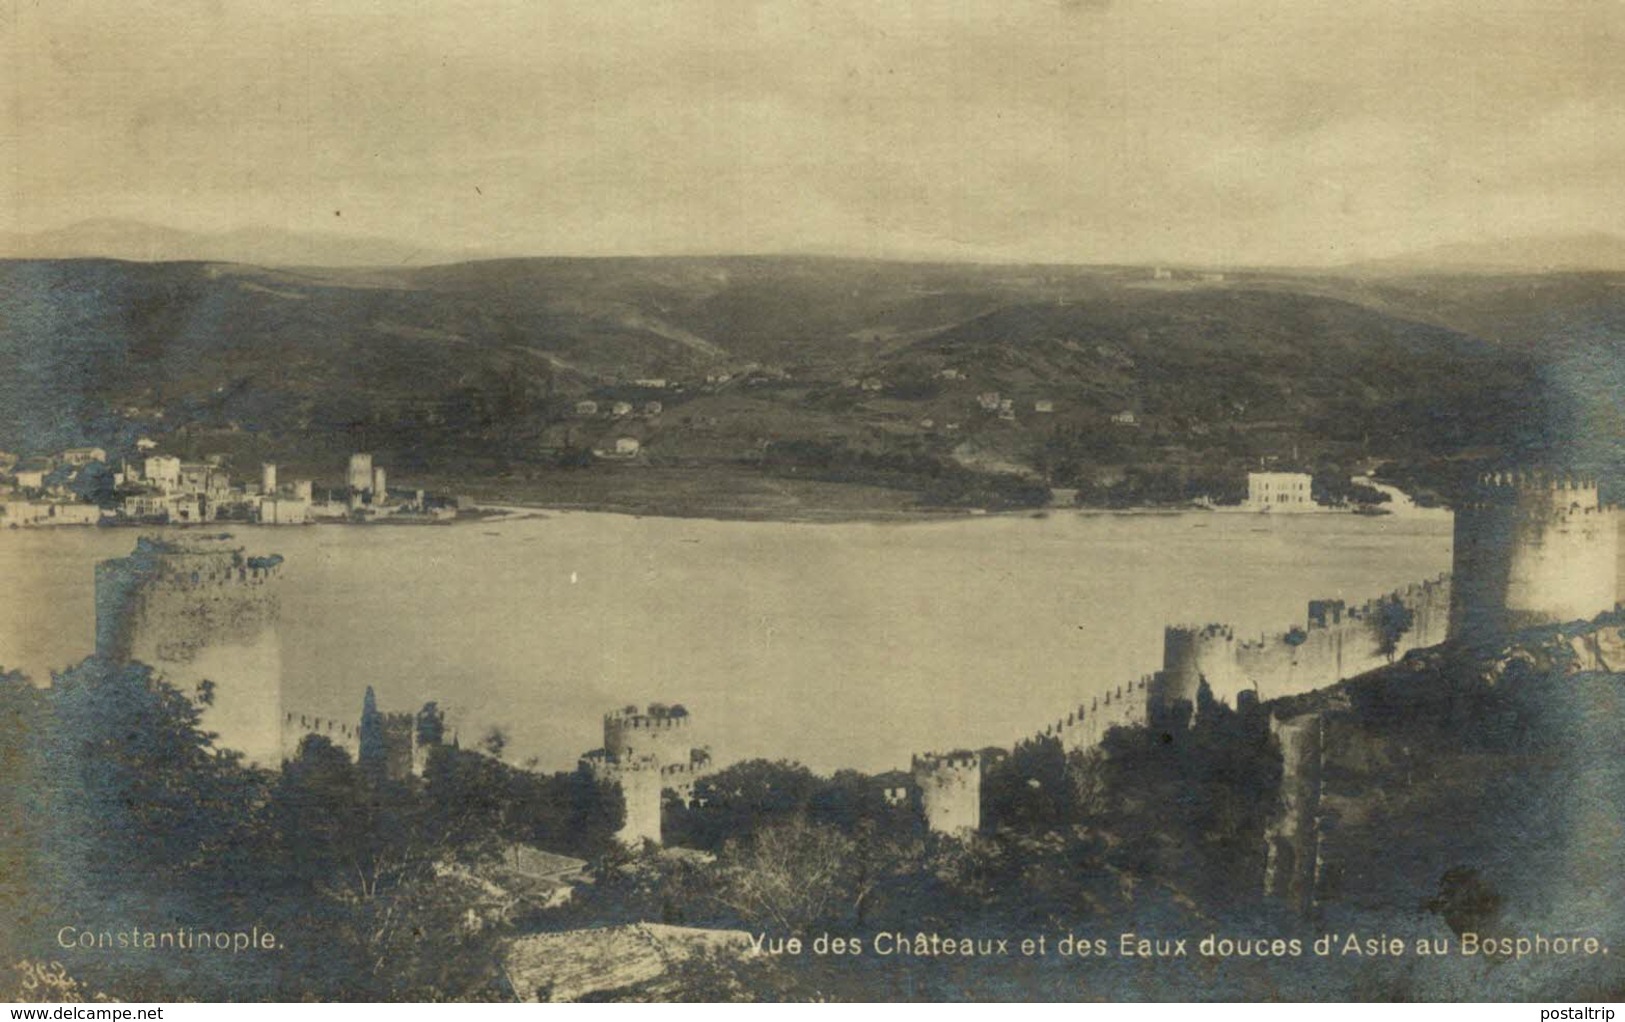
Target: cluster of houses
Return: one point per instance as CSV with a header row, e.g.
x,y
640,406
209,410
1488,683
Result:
x,y
78,486
52,490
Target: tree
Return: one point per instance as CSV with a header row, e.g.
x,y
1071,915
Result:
x,y
494,742
1031,788
791,876
1391,622
153,796
25,809
737,800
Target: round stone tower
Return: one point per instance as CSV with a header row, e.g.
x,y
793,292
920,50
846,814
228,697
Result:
x,y
203,615
1531,549
660,732
1192,654
950,791
647,751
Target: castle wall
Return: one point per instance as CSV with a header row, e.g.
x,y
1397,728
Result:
x,y
1336,642
1339,643
390,741
1087,724
198,613
342,733
950,792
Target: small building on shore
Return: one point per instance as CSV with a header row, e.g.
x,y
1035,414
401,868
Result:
x,y
1280,491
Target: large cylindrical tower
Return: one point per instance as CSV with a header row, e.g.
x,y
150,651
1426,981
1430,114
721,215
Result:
x,y
1531,549
1191,655
204,616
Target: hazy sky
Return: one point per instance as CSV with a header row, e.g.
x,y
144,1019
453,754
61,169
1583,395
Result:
x,y
1266,131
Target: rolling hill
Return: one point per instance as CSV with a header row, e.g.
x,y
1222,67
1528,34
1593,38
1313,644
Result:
x,y
841,370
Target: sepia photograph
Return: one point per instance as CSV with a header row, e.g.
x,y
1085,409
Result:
x,y
812,501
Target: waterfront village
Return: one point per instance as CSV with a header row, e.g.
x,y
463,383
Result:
x,y
1530,551
79,486
82,486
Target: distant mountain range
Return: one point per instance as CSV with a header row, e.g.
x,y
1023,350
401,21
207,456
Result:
x,y
256,246
1534,254
135,241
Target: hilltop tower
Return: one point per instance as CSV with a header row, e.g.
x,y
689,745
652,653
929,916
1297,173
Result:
x,y
950,791
204,615
1532,549
645,752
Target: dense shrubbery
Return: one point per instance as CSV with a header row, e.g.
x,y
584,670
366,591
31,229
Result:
x,y
120,812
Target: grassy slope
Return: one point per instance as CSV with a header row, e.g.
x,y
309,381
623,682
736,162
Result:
x,y
475,367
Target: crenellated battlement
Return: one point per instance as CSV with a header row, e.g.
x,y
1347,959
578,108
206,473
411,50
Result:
x,y
934,762
647,751
1534,494
1532,548
1336,641
307,724
1210,631
950,785
343,734
657,717
1535,482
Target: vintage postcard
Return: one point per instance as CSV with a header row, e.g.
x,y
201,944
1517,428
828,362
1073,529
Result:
x,y
821,500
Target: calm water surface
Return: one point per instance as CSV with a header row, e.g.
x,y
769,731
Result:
x,y
836,645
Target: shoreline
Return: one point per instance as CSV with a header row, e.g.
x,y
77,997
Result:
x,y
806,515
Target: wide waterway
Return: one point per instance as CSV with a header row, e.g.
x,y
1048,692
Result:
x,y
836,645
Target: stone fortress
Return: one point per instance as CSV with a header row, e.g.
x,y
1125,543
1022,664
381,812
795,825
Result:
x,y
647,752
1529,550
1335,642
